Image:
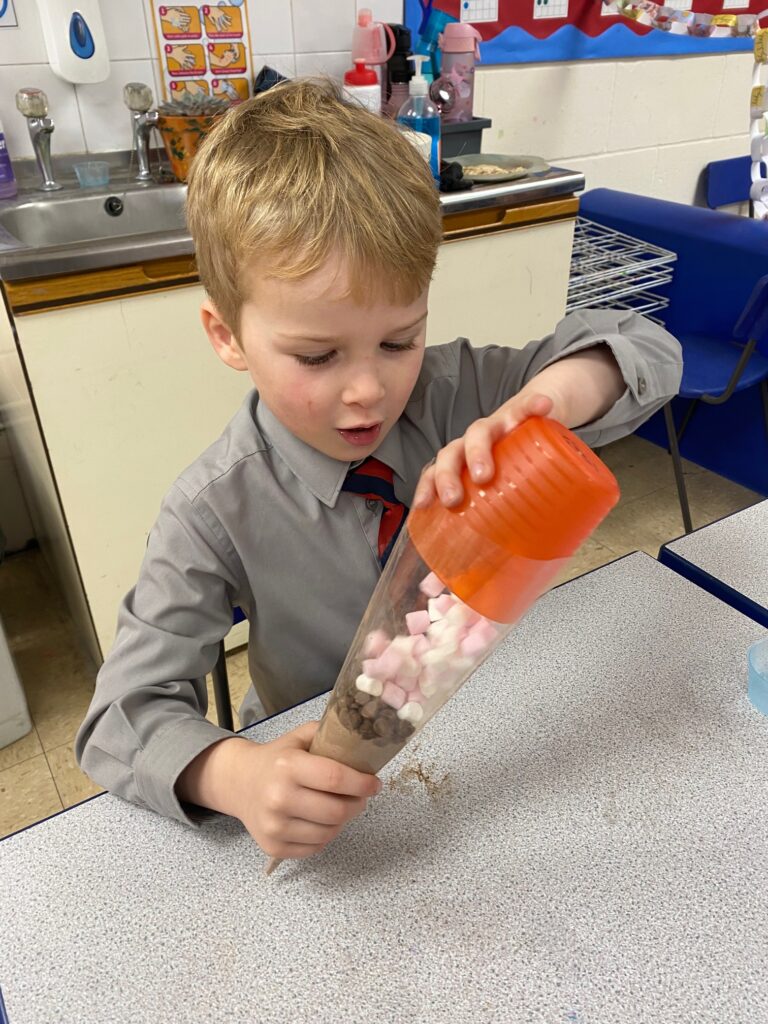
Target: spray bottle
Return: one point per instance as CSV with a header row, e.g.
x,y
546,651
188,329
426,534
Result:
x,y
421,115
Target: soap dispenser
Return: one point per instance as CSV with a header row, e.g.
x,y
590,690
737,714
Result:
x,y
421,115
75,40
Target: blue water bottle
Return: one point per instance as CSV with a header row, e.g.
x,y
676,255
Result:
x,y
421,115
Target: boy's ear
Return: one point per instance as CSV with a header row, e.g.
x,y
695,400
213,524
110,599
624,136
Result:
x,y
223,340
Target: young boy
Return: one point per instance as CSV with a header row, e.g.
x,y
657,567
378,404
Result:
x,y
316,227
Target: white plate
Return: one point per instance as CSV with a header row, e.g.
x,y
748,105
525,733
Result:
x,y
518,166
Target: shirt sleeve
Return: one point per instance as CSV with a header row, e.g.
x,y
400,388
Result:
x,y
648,357
146,721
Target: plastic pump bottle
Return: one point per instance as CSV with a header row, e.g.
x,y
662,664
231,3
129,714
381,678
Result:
x,y
421,115
8,187
362,86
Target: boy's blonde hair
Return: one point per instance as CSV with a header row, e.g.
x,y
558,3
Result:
x,y
295,176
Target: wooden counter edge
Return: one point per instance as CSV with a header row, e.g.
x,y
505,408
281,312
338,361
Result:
x,y
42,294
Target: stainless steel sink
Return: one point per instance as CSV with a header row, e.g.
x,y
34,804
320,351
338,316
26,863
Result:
x,y
85,217
74,229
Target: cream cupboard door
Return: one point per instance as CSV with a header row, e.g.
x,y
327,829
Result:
x,y
504,288
128,392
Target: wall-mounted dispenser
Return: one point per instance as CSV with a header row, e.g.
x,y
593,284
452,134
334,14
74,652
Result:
x,y
74,38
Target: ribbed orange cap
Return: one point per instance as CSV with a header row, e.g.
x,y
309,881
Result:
x,y
500,549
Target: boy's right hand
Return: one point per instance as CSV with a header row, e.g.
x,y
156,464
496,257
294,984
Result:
x,y
292,802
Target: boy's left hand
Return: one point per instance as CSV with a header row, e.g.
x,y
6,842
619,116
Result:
x,y
443,476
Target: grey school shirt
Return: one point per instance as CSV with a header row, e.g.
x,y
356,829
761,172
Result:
x,y
260,521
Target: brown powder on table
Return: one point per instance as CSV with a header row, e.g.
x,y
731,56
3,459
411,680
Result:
x,y
414,772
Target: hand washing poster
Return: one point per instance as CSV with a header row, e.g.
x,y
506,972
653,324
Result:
x,y
204,49
524,31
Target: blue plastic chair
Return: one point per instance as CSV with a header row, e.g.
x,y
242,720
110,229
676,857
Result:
x,y
717,306
717,366
727,181
220,681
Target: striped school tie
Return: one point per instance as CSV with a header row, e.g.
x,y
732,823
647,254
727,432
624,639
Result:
x,y
373,480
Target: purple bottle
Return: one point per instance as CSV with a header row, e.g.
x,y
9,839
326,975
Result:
x,y
8,187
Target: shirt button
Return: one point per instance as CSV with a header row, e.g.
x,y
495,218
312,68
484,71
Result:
x,y
371,504
641,385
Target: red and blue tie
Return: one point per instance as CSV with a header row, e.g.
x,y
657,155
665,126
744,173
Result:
x,y
373,480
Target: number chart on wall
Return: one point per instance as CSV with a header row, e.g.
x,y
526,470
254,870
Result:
x,y
525,31
204,49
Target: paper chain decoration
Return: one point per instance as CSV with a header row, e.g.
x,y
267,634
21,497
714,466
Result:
x,y
758,192
711,26
693,23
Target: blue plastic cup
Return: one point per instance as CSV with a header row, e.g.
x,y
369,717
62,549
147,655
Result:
x,y
757,658
92,173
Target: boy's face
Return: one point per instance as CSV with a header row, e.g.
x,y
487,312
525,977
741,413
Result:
x,y
337,374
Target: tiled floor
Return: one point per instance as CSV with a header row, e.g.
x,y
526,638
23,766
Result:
x,y
38,774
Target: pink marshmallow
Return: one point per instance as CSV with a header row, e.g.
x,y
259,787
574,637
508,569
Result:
x,y
417,622
431,585
388,664
393,696
407,683
370,667
486,630
375,643
438,607
473,645
421,646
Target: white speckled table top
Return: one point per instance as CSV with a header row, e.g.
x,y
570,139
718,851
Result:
x,y
590,846
733,550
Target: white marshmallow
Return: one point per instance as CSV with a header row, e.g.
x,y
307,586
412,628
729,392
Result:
x,y
411,712
369,685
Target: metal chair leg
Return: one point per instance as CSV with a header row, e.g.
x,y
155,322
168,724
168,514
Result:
x,y
221,691
678,467
687,418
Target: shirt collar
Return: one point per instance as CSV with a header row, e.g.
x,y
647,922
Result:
x,y
319,473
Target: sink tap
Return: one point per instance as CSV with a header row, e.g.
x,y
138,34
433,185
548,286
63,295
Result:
x,y
138,98
33,104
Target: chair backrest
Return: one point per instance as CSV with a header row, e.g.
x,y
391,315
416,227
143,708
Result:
x,y
753,322
719,255
727,181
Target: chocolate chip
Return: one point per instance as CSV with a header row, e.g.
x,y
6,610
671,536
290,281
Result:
x,y
370,710
384,727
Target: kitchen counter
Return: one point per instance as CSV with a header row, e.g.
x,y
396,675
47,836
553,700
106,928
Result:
x,y
20,262
579,837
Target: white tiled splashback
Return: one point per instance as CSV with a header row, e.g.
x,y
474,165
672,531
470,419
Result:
x,y
293,36
646,126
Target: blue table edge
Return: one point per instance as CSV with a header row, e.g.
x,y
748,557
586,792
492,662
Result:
x,y
727,594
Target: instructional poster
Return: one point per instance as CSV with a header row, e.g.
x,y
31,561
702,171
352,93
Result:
x,y
204,49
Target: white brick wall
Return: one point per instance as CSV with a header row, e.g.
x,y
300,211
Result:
x,y
648,126
642,125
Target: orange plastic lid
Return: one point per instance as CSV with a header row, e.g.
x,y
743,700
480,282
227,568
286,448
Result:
x,y
501,548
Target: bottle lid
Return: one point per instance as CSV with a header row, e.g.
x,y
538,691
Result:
x,y
360,74
459,37
364,17
497,548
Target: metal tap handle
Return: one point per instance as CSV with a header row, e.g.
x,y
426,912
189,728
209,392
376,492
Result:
x,y
32,102
137,97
